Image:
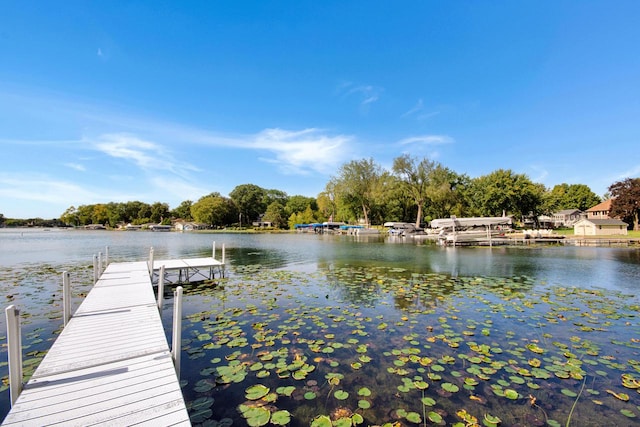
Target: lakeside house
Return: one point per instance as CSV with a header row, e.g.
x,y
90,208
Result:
x,y
600,227
567,217
188,226
600,211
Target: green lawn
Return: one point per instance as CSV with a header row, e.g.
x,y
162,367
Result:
x,y
630,235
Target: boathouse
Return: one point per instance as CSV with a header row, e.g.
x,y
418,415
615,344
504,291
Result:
x,y
600,227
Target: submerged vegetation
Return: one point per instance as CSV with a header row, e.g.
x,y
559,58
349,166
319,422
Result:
x,y
384,346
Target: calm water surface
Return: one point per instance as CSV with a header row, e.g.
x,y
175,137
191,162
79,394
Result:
x,y
325,301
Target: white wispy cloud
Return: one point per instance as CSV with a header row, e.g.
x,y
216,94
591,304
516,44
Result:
x,y
630,173
76,166
366,94
427,140
419,112
299,152
145,154
415,109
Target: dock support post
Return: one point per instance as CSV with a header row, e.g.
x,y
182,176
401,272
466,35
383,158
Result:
x,y
100,270
106,256
95,269
213,252
176,341
161,288
151,263
222,260
66,297
14,344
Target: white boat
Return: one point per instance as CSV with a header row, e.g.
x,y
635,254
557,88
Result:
x,y
402,228
159,227
454,231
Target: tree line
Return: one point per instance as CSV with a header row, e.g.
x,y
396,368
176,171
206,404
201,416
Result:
x,y
414,190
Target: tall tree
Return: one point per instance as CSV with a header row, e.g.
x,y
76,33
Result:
x,y
160,212
276,215
503,191
299,203
357,183
414,175
271,196
216,211
183,211
70,216
250,201
444,192
625,202
569,196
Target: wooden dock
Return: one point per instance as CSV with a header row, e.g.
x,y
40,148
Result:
x,y
111,365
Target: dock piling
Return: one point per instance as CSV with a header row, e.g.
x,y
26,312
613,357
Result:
x,y
176,342
151,263
66,296
14,344
161,288
95,269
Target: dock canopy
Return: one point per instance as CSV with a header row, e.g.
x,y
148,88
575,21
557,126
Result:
x,y
471,222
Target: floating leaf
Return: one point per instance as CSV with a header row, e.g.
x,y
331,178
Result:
x,y
434,417
321,421
511,394
451,388
413,417
341,394
256,392
281,418
364,391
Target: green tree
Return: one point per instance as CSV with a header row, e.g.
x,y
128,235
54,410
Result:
x,y
357,183
216,211
276,214
100,214
250,201
503,191
327,201
1,220
445,192
625,202
271,196
414,176
299,203
183,211
144,213
160,212
569,196
70,217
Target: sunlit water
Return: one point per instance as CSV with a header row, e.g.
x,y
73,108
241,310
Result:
x,y
326,301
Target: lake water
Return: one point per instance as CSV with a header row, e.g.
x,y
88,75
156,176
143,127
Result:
x,y
356,327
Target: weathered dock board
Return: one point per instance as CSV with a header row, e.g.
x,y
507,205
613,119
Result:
x,y
110,365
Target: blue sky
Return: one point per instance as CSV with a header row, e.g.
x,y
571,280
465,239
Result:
x,y
169,101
